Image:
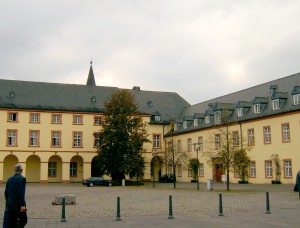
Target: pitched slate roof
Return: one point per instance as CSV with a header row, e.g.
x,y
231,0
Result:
x,y
282,89
82,98
285,84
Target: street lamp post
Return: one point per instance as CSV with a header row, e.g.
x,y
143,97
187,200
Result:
x,y
197,146
153,156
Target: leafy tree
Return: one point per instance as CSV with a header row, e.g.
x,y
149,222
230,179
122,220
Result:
x,y
194,165
242,162
225,149
120,142
175,157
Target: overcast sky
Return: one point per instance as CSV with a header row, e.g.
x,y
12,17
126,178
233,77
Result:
x,y
200,49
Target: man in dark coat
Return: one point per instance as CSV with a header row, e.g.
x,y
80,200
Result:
x,y
297,186
15,207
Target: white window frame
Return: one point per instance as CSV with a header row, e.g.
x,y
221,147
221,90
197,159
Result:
x,y
156,141
256,108
252,169
296,99
77,119
77,139
56,118
285,132
56,139
156,118
34,138
196,123
251,137
34,117
12,137
268,168
236,138
207,119
184,124
267,135
287,168
217,117
217,141
275,104
240,112
12,117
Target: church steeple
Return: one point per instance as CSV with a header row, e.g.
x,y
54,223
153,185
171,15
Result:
x,y
91,79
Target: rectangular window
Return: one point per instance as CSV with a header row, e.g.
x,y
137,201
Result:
x,y
201,170
12,137
189,145
77,139
296,99
251,138
217,117
190,172
200,141
179,170
156,141
179,146
285,132
77,119
256,108
56,139
236,171
97,120
185,124
34,138
96,140
52,169
275,104
267,135
236,139
240,112
73,169
56,118
287,168
12,117
34,118
217,141
195,122
252,169
268,168
207,119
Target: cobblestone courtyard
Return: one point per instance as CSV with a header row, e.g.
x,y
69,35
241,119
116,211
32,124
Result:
x,y
144,200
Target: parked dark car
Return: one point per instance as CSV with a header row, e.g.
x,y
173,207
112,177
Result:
x,y
90,182
167,178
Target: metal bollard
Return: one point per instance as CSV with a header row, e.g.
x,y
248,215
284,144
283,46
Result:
x,y
267,204
220,205
170,208
63,210
118,209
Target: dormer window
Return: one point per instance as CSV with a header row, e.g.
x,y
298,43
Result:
x,y
156,118
240,112
275,104
257,108
175,127
296,99
217,117
185,124
195,122
207,119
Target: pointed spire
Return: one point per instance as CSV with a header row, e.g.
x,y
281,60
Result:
x,y
91,79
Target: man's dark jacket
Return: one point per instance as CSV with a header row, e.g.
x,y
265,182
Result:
x,y
15,192
297,186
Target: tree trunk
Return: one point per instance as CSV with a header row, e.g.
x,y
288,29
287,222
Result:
x,y
227,183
